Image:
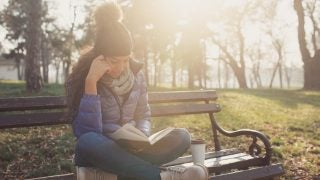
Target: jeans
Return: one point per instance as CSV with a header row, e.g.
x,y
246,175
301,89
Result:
x,y
98,151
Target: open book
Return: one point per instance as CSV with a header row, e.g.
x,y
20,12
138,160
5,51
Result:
x,y
130,133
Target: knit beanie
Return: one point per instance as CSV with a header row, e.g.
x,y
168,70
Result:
x,y
112,37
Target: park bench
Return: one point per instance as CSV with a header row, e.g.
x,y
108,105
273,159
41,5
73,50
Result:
x,y
221,163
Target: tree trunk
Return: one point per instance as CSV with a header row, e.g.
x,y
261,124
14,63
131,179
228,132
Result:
x,y
57,67
159,78
274,74
278,66
145,59
173,71
227,75
280,74
312,74
288,78
18,66
204,73
241,76
57,73
256,74
256,70
200,79
311,64
155,63
19,73
204,66
239,66
251,81
219,73
45,59
190,76
70,45
67,64
181,77
33,41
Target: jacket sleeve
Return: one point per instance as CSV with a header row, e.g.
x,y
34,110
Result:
x,y
108,128
142,114
88,118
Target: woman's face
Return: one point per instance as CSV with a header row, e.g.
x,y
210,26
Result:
x,y
118,65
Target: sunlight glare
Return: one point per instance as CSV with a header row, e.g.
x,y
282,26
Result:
x,y
234,2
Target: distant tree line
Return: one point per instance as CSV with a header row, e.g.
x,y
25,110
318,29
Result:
x,y
173,40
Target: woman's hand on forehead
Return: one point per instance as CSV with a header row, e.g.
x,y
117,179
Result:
x,y
98,68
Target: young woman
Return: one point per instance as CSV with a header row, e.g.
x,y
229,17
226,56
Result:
x,y
106,90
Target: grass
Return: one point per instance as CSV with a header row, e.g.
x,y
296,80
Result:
x,y
290,118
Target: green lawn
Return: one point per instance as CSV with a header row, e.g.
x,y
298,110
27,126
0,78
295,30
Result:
x,y
289,117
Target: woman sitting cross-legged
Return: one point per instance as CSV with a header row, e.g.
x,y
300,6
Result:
x,y
107,90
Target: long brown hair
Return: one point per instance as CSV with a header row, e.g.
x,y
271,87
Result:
x,y
75,82
112,39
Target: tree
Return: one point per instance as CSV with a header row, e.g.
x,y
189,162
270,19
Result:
x,y
256,56
70,44
140,52
278,45
46,45
57,38
137,20
33,46
235,54
311,62
174,59
156,23
190,49
276,30
194,33
232,37
13,18
87,26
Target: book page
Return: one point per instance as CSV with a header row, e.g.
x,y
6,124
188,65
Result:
x,y
159,135
133,129
129,132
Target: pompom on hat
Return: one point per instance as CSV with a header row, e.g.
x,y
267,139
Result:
x,y
112,37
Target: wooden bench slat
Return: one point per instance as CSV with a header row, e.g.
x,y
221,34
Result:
x,y
220,161
240,164
54,102
181,96
52,118
32,103
227,159
228,162
181,109
255,173
32,119
187,159
70,176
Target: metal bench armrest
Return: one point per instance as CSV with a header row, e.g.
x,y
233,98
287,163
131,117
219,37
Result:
x,y
254,148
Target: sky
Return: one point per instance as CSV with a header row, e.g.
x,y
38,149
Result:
x,y
64,11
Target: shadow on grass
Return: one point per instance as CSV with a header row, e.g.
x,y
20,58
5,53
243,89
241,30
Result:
x,y
288,98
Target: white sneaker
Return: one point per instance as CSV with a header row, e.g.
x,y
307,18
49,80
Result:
x,y
194,172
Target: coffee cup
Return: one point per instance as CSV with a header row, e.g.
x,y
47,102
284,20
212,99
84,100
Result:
x,y
198,150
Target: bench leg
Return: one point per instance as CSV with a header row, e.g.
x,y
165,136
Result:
x,y
86,173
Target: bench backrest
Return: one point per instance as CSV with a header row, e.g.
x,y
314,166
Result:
x,y
50,110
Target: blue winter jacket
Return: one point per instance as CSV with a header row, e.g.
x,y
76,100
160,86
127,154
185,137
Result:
x,y
104,114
